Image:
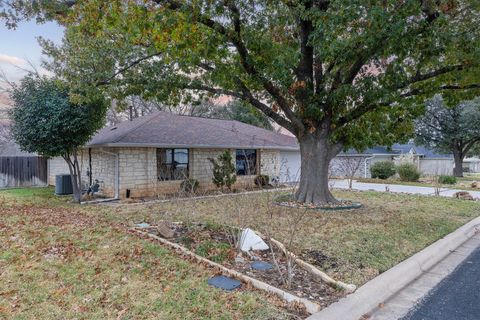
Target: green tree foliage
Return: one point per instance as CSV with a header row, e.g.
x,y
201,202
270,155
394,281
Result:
x,y
224,173
236,110
47,123
335,73
447,129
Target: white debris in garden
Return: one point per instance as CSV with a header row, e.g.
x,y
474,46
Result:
x,y
249,240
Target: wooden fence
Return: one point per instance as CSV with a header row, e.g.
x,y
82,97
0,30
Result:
x,y
23,172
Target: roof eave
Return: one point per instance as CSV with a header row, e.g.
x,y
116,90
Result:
x,y
180,146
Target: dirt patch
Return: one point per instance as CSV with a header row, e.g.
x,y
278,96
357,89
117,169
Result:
x,y
218,245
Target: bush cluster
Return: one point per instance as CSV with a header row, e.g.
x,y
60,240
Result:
x,y
382,170
447,180
386,169
189,186
408,172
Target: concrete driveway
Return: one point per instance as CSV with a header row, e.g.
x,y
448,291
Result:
x,y
396,188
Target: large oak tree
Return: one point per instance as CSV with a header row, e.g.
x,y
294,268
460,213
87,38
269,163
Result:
x,y
336,74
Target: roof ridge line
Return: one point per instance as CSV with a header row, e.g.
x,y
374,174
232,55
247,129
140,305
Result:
x,y
153,116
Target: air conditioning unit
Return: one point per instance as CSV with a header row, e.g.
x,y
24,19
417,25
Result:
x,y
63,184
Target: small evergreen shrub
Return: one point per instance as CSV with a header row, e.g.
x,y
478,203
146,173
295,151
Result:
x,y
189,185
408,172
262,180
224,173
382,170
447,180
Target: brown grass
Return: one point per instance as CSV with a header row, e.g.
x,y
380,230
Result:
x,y
61,261
357,245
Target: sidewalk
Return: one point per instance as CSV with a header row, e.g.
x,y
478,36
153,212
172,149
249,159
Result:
x,y
396,188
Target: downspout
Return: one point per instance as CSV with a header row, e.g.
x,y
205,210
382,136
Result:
x,y
365,171
117,172
90,181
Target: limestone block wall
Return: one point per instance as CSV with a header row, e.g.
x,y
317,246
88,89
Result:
x,y
103,169
56,166
138,172
270,162
200,167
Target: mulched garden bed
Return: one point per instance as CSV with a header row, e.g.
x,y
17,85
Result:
x,y
286,200
216,243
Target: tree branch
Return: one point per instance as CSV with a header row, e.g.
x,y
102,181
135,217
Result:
x,y
245,59
127,67
217,91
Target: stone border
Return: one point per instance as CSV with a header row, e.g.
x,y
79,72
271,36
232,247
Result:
x,y
346,207
387,284
354,205
201,197
310,306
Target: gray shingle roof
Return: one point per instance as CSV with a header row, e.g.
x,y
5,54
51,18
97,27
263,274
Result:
x,y
167,130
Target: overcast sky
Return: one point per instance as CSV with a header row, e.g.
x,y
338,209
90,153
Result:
x,y
19,46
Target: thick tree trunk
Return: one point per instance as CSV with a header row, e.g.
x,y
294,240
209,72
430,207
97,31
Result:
x,y
458,157
316,154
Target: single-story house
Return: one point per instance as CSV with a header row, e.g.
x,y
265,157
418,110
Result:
x,y
427,161
152,155
471,164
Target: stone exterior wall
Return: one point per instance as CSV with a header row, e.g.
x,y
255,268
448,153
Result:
x,y
56,166
270,163
200,167
103,170
138,170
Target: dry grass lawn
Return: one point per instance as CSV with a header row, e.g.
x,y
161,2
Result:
x,y
59,261
355,245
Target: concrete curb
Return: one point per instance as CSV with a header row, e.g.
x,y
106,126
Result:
x,y
379,289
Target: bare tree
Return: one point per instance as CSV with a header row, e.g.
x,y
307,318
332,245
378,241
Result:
x,y
4,133
348,167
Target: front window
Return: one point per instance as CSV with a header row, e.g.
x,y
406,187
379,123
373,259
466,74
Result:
x,y
246,162
172,164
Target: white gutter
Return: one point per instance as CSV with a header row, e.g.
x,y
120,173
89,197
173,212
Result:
x,y
117,172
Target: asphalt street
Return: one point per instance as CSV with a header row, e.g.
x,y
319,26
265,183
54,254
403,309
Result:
x,y
457,297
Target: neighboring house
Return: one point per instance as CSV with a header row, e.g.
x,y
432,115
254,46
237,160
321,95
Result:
x,y
427,161
471,165
341,163
152,155
21,169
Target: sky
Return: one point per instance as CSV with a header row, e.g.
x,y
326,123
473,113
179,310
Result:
x,y
20,46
